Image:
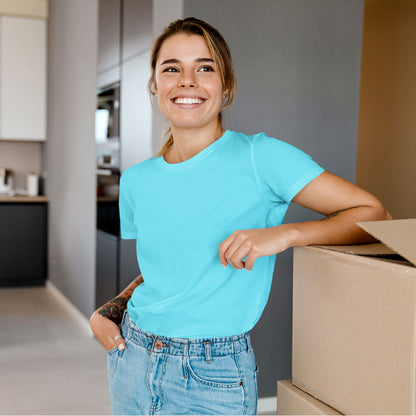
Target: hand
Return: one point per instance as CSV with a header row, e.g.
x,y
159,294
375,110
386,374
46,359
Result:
x,y
105,331
253,244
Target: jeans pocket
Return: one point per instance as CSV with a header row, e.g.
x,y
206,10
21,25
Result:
x,y
112,351
219,372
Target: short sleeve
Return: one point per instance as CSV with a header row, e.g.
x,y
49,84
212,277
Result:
x,y
126,206
283,168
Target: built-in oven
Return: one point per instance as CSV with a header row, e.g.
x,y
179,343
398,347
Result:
x,y
107,144
107,127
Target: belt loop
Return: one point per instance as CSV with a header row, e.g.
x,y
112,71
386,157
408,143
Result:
x,y
185,359
248,342
208,357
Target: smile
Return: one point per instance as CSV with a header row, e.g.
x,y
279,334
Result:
x,y
188,100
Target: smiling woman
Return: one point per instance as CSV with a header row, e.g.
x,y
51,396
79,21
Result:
x,y
190,93
207,212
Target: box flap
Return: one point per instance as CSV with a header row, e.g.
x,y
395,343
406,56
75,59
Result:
x,y
372,250
399,235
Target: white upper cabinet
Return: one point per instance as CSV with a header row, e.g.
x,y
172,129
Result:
x,y
23,64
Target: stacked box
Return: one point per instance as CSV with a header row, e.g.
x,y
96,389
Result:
x,y
294,401
354,323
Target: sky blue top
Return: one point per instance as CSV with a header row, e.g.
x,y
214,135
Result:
x,y
180,213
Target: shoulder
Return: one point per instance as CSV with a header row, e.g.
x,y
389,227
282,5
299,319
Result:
x,y
261,142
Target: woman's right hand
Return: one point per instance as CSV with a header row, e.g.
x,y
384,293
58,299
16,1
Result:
x,y
106,331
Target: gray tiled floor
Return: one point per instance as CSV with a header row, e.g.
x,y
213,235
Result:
x,y
49,364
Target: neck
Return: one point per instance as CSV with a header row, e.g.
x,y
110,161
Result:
x,y
189,142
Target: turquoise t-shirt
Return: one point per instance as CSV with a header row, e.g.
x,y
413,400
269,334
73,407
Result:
x,y
180,213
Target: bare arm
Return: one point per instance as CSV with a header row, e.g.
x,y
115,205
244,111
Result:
x,y
105,320
343,203
115,308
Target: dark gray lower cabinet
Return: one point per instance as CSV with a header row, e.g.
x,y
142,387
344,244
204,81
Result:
x,y
23,244
116,266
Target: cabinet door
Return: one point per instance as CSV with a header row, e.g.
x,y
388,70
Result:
x,y
22,78
129,268
107,259
23,244
136,112
109,35
137,27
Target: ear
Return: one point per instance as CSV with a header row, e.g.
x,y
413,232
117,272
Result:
x,y
154,88
225,93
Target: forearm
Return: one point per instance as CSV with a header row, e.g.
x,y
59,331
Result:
x,y
337,229
115,308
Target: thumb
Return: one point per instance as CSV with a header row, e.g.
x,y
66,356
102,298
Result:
x,y
119,341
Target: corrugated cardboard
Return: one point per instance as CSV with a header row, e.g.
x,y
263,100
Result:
x,y
294,401
354,324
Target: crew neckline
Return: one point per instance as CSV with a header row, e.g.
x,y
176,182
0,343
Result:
x,y
195,159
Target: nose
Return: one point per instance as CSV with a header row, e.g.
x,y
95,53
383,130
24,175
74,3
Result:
x,y
187,80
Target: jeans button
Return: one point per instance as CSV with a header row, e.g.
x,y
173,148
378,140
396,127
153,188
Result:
x,y
158,344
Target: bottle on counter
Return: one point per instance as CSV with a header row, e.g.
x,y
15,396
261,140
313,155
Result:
x,y
32,184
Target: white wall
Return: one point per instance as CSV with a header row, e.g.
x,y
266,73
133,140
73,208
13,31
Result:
x,y
69,153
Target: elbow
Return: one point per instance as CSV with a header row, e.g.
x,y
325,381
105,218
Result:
x,y
380,212
388,215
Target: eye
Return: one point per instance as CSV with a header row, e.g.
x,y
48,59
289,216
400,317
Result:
x,y
206,68
170,69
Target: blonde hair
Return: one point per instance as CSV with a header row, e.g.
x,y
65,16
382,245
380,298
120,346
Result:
x,y
219,51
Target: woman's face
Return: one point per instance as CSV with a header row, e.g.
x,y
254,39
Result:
x,y
188,83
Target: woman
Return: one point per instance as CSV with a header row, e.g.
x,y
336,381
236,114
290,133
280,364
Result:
x,y
207,213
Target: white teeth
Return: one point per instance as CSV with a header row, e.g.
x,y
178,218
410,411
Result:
x,y
188,101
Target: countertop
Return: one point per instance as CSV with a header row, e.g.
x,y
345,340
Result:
x,y
19,199
109,198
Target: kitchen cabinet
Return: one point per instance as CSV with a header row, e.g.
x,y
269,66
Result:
x,y
116,259
136,112
107,254
108,66
23,64
137,27
23,244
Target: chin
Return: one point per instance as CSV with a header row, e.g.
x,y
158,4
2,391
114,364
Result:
x,y
190,124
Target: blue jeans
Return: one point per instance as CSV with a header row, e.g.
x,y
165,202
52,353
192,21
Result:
x,y
171,376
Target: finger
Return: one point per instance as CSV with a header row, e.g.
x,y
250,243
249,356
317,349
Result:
x,y
223,247
251,258
119,341
239,254
229,254
237,251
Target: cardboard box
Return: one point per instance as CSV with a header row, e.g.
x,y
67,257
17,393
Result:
x,y
294,401
354,323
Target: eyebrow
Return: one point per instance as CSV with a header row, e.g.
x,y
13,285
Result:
x,y
177,61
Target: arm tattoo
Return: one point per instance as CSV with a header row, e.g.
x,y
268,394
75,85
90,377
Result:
x,y
115,308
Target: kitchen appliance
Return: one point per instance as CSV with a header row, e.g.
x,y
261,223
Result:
x,y
107,128
6,182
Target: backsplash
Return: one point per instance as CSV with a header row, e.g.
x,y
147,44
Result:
x,y
22,158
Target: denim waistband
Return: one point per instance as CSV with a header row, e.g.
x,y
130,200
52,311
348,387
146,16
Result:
x,y
185,346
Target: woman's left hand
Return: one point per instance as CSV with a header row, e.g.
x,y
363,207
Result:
x,y
253,243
